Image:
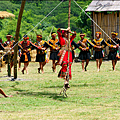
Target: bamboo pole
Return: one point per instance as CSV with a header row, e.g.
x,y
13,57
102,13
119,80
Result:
x,y
16,37
68,39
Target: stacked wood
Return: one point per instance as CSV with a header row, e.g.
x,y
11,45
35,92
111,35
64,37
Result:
x,y
33,55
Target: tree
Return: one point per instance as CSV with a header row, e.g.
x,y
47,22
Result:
x,y
83,22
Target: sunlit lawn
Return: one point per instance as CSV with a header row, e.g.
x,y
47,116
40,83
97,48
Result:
x,y
92,96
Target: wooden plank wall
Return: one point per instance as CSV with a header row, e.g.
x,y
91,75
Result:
x,y
94,25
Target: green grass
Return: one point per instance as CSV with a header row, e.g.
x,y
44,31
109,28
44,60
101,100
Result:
x,y
92,96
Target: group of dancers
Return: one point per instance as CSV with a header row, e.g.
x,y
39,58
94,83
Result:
x,y
59,51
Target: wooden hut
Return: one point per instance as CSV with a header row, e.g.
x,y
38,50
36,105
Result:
x,y
5,14
106,13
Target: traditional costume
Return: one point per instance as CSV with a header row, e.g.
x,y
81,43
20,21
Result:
x,y
63,53
54,52
40,57
9,44
85,43
26,48
100,42
113,51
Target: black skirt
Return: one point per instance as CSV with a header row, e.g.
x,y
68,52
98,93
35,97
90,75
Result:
x,y
112,55
98,54
40,58
22,58
54,55
84,55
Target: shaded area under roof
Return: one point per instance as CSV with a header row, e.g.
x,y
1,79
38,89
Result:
x,y
5,14
104,5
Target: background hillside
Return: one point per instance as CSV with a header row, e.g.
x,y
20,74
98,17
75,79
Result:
x,y
36,10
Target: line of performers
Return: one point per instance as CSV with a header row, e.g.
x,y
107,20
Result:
x,y
59,51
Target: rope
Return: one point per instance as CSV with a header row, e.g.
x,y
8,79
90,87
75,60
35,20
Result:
x,y
96,23
32,29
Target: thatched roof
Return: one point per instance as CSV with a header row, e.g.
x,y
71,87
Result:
x,y
104,5
5,14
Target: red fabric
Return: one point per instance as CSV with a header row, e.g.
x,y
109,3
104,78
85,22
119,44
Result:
x,y
24,45
65,59
61,39
62,42
64,70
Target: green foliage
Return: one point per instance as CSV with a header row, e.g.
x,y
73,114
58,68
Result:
x,y
36,10
84,23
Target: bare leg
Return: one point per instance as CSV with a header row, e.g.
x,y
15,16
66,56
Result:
x,y
43,63
83,65
54,66
87,62
97,63
19,65
113,64
26,67
100,62
2,92
57,63
41,67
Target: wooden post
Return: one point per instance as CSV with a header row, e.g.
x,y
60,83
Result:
x,y
9,66
68,39
16,37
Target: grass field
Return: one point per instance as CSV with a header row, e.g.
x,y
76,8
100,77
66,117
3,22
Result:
x,y
92,96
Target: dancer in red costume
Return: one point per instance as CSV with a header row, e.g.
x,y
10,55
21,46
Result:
x,y
63,53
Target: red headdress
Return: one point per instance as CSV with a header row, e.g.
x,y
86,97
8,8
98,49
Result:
x,y
98,33
82,34
25,37
39,36
114,33
9,36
